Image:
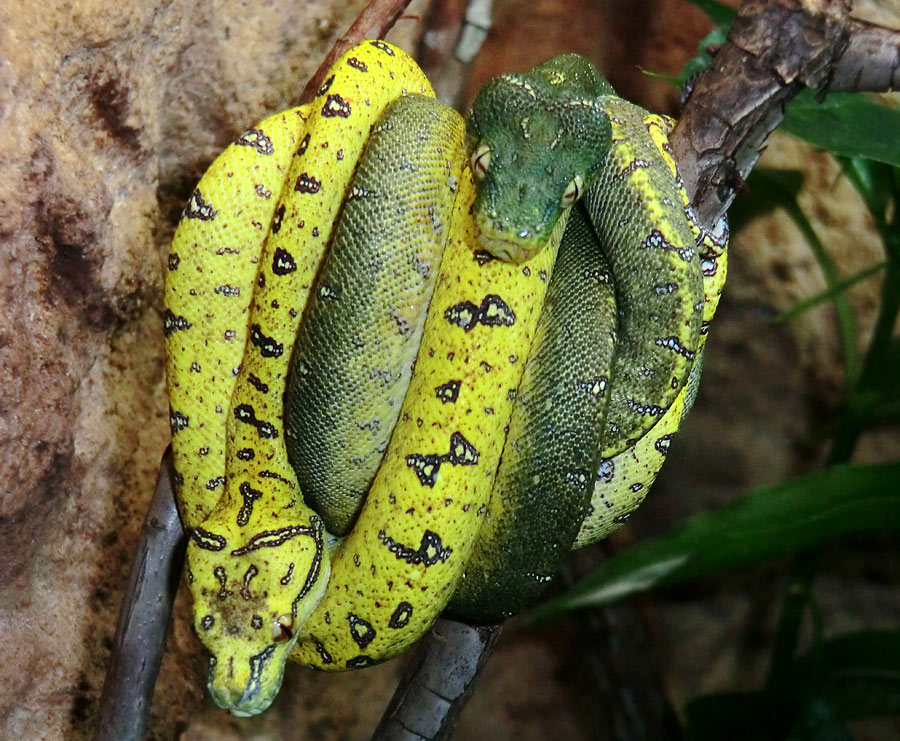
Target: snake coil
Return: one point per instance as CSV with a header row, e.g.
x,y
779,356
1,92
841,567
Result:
x,y
387,391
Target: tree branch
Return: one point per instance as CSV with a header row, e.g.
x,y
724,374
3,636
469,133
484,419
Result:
x,y
144,616
375,20
437,683
871,62
774,49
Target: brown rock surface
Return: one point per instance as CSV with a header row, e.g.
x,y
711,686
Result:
x,y
108,113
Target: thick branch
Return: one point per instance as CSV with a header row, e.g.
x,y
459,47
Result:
x,y
871,62
774,49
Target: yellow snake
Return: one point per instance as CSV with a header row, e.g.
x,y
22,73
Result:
x,y
396,422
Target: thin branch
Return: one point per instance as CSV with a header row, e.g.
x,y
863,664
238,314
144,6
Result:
x,y
375,20
144,617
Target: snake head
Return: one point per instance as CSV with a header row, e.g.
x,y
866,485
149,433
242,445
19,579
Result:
x,y
536,143
252,591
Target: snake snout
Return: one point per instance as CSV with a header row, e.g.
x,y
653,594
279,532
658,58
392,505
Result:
x,y
238,702
247,686
515,247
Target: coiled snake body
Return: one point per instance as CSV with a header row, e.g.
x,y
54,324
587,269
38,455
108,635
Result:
x,y
343,296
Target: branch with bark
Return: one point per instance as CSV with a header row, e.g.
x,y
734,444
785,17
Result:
x,y
773,51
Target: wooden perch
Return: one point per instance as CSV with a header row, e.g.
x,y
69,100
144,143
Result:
x,y
773,51
144,617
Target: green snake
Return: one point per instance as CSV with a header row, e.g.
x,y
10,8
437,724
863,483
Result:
x,y
387,392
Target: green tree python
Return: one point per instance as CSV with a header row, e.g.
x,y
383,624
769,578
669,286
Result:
x,y
406,373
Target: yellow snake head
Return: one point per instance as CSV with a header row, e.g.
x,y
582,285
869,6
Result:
x,y
536,143
252,592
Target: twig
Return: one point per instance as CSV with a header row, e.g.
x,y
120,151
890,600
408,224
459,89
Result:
x,y
144,617
375,20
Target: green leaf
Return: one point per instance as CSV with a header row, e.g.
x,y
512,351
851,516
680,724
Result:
x,y
818,721
829,293
874,182
695,66
673,80
879,186
718,13
797,602
790,517
858,674
848,124
877,402
865,650
863,697
722,16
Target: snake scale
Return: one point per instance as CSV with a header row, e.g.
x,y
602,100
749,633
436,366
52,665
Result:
x,y
406,373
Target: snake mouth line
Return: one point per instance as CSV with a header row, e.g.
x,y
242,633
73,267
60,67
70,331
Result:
x,y
505,245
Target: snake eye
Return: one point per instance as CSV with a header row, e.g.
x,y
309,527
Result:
x,y
283,628
572,192
480,161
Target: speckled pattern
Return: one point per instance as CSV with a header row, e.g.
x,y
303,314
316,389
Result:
x,y
546,472
631,263
623,480
363,323
411,418
395,571
257,562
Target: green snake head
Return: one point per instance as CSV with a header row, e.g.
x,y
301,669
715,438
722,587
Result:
x,y
252,592
536,143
